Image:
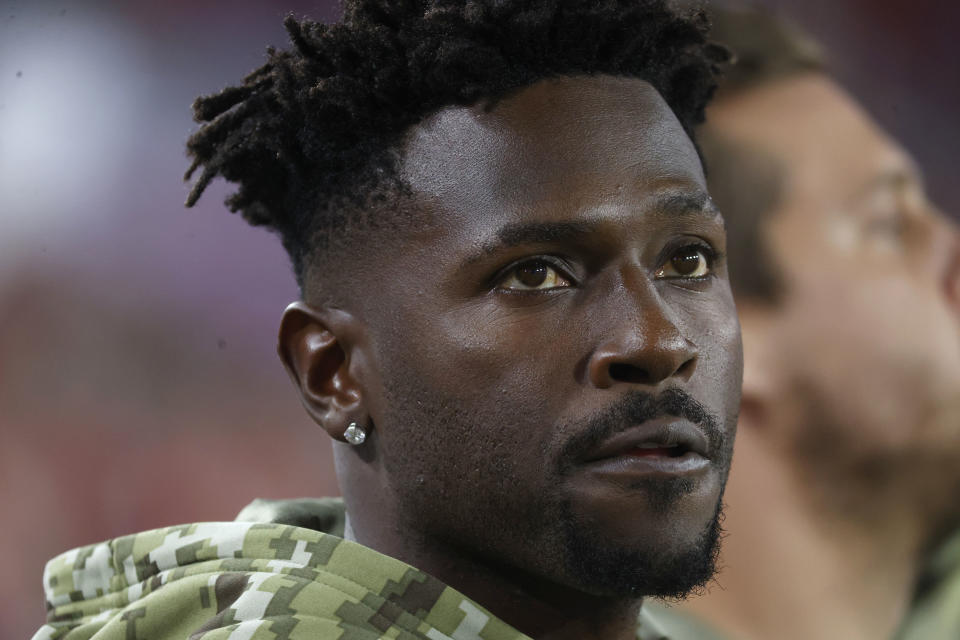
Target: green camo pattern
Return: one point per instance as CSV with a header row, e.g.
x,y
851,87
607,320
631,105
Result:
x,y
679,623
250,581
256,581
935,613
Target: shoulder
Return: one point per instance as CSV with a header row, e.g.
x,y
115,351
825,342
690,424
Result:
x,y
671,623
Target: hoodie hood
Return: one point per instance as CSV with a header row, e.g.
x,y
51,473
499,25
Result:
x,y
281,572
251,581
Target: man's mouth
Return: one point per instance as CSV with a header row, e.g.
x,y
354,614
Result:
x,y
668,437
665,446
654,450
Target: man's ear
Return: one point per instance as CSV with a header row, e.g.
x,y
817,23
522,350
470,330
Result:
x,y
316,346
759,376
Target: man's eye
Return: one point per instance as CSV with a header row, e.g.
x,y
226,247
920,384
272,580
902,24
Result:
x,y
535,275
889,225
687,262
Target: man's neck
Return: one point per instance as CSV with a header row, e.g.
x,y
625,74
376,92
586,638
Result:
x,y
816,574
539,609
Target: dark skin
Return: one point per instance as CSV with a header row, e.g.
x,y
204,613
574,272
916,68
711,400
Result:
x,y
565,254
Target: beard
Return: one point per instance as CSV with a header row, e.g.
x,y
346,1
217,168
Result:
x,y
674,572
470,493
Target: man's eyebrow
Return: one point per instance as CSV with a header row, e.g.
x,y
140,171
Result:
x,y
675,203
525,233
684,203
688,204
896,179
671,203
541,232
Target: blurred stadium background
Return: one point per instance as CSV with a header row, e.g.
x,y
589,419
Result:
x,y
138,381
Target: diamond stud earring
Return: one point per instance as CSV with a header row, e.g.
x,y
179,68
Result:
x,y
355,434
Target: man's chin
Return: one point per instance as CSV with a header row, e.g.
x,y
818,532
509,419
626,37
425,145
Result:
x,y
665,568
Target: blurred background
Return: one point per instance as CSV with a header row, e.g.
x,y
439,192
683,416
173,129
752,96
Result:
x,y
138,381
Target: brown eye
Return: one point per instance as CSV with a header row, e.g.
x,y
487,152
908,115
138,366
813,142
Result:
x,y
534,275
687,262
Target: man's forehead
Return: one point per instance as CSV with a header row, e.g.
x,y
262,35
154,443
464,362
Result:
x,y
578,137
829,145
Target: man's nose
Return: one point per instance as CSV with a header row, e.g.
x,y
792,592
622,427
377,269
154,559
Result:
x,y
943,251
951,280
645,347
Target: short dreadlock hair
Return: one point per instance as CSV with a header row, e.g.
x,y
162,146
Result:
x,y
313,136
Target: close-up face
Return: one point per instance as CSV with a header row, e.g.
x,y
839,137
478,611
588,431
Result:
x,y
866,363
554,364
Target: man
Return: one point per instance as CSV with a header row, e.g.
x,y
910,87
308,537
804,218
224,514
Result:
x,y
515,325
847,280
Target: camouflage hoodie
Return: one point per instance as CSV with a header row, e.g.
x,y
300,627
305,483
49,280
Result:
x,y
256,581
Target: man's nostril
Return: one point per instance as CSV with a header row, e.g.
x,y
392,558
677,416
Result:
x,y
686,368
623,372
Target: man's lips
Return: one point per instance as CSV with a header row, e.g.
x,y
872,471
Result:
x,y
666,447
668,437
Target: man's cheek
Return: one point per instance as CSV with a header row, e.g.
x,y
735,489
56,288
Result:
x,y
720,358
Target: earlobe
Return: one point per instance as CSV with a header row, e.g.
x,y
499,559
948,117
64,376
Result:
x,y
315,348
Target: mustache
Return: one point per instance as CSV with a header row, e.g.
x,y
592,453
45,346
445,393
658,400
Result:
x,y
637,407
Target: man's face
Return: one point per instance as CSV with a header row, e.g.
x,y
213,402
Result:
x,y
557,350
864,352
